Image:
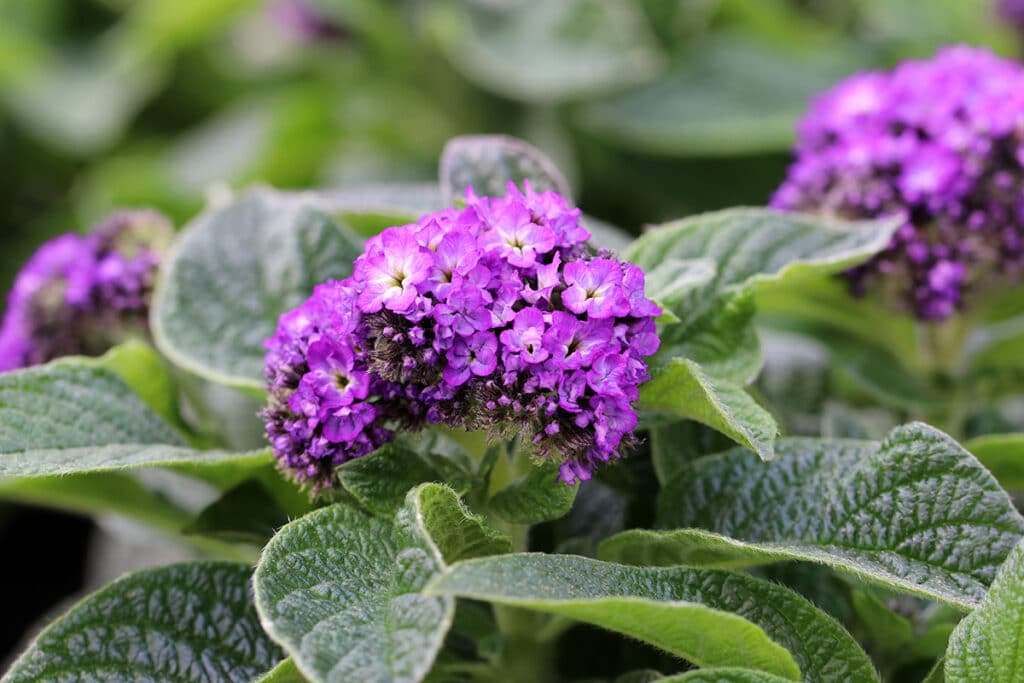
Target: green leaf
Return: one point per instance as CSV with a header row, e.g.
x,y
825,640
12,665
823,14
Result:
x,y
605,235
673,278
730,98
674,445
142,369
458,533
823,305
487,163
988,644
915,513
235,270
755,246
381,480
246,514
891,631
1003,455
285,672
185,622
682,388
549,52
74,416
724,675
713,349
710,618
536,497
369,209
340,590
72,431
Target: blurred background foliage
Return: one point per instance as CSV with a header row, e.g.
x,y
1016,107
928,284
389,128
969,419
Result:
x,y
655,108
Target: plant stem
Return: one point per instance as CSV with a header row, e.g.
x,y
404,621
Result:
x,y
524,658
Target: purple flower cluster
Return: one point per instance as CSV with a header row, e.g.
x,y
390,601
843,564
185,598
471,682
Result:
x,y
938,143
82,294
1012,12
303,21
491,317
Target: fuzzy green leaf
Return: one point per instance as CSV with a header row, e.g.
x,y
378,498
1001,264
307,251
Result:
x,y
750,247
683,389
341,590
723,675
381,480
710,618
536,497
988,644
915,513
187,622
487,163
234,270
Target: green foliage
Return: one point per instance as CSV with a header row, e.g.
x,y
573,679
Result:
x,y
487,163
186,622
535,497
916,513
988,645
549,52
235,269
708,617
370,619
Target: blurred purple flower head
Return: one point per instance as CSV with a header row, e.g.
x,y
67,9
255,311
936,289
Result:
x,y
303,20
82,294
938,143
491,317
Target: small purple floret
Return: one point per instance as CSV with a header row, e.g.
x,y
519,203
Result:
x,y
491,317
938,143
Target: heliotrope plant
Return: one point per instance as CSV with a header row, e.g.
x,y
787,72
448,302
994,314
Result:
x,y
453,376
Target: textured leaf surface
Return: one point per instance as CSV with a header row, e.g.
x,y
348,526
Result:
x,y
723,675
381,480
234,270
682,388
988,645
710,618
187,622
487,163
247,513
751,246
369,209
543,51
536,497
74,416
458,533
915,513
341,591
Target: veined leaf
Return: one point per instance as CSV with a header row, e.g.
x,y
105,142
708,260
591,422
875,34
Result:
x,y
535,497
487,163
915,513
234,271
710,618
752,246
381,480
682,388
723,675
186,622
341,590
988,644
